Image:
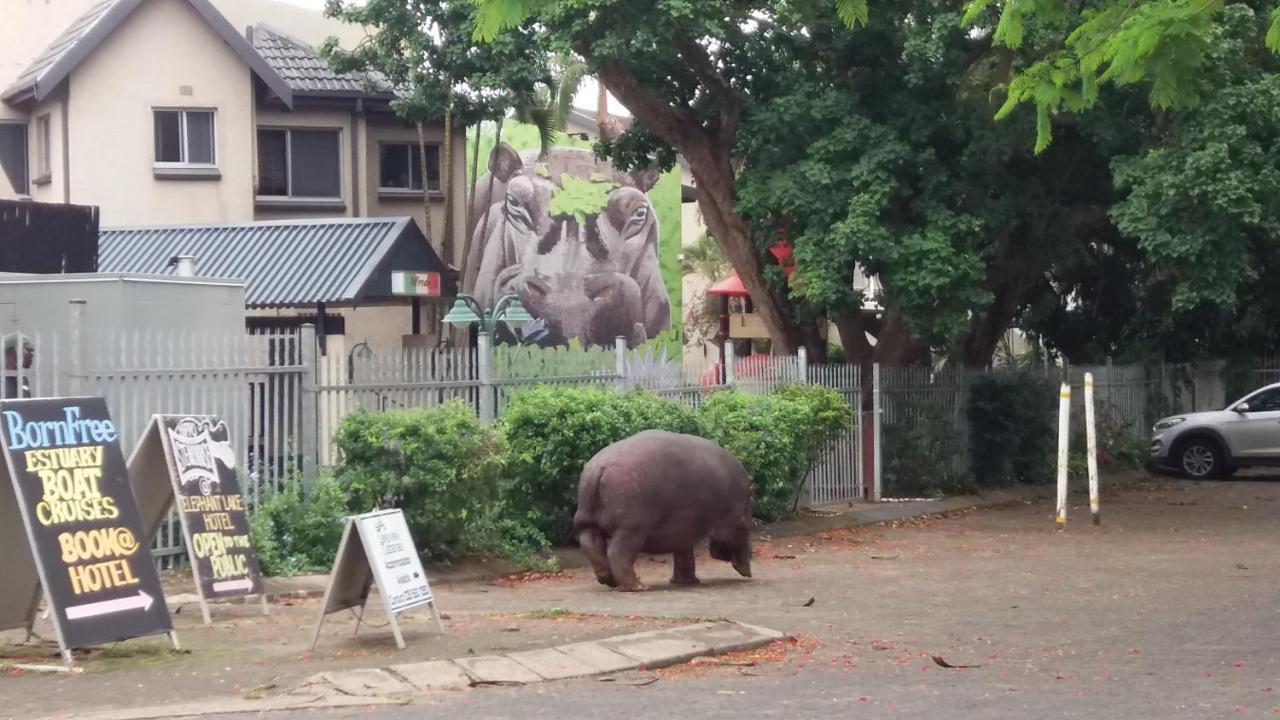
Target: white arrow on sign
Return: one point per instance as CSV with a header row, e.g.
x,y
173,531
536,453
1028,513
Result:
x,y
141,601
229,585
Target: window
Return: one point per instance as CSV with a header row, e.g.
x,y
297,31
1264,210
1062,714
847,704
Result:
x,y
299,164
184,137
400,168
1266,401
44,149
13,155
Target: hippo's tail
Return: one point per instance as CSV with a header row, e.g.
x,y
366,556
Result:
x,y
588,513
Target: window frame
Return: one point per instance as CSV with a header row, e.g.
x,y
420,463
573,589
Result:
x,y
414,161
1253,399
25,128
184,148
44,150
288,197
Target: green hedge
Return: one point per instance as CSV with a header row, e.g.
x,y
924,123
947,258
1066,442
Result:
x,y
926,457
1012,433
294,533
551,432
441,466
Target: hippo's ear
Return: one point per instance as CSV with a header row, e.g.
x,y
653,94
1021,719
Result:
x,y
645,178
504,162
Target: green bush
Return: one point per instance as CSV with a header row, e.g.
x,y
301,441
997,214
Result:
x,y
294,533
927,457
440,466
1012,435
776,437
551,432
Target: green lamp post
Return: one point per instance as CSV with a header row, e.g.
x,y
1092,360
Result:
x,y
465,312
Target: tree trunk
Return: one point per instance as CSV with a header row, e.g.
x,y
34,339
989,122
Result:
x,y
471,266
426,196
709,154
446,183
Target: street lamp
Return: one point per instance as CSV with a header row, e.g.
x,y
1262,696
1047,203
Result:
x,y
466,312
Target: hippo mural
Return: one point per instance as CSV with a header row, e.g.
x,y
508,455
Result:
x,y
575,240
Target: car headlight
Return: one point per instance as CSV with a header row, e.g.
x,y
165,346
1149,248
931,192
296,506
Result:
x,y
1169,422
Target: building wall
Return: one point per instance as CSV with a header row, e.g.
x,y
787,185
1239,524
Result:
x,y
329,120
382,327
384,128
53,188
161,50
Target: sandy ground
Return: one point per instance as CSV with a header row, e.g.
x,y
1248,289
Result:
x,y
1168,609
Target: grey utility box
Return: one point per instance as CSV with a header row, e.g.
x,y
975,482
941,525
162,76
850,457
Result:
x,y
121,303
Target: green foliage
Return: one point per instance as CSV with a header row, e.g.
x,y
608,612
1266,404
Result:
x,y
1011,428
296,533
440,466
552,432
578,198
776,437
926,457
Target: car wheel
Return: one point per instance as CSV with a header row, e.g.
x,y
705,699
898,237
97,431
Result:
x,y
1201,459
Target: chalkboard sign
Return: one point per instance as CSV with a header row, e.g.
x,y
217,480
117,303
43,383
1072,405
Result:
x,y
188,460
377,547
72,489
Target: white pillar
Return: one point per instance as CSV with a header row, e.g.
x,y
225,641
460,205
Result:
x,y
877,415
1064,440
1091,440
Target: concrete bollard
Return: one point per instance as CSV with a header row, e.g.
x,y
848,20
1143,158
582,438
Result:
x,y
1091,440
1064,439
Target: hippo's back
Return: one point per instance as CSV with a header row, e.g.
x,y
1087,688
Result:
x,y
656,478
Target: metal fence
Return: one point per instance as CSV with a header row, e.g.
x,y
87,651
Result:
x,y
255,383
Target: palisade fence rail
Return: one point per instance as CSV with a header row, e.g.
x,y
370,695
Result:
x,y
283,398
1268,370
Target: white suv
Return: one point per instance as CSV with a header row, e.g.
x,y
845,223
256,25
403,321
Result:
x,y
1216,444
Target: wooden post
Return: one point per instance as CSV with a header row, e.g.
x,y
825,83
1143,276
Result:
x,y
1091,441
1064,440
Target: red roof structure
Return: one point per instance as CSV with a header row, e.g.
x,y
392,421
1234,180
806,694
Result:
x,y
731,286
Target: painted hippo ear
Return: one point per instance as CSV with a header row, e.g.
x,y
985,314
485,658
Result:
x,y
504,162
645,179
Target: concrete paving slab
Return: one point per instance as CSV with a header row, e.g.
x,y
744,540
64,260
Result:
x,y
661,651
498,670
723,637
434,675
599,657
552,664
234,706
367,682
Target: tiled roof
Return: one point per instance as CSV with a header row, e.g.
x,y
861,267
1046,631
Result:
x,y
62,56
306,72
283,263
61,45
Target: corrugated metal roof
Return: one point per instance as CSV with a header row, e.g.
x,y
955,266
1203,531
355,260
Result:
x,y
308,73
283,263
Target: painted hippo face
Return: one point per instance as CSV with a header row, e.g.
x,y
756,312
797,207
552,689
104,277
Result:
x,y
576,241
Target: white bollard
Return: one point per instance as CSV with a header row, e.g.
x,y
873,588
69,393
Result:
x,y
1064,439
1091,439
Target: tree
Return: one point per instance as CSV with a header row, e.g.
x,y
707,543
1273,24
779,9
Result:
x,y
427,52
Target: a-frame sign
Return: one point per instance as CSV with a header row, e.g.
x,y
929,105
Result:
x,y
377,547
70,525
188,460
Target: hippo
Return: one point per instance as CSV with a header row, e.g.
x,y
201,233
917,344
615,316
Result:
x,y
590,274
662,492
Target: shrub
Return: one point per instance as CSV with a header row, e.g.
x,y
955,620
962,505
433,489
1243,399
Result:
x,y
440,466
926,458
776,437
1012,436
551,433
294,533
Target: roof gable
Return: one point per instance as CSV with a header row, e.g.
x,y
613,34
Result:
x,y
285,263
70,48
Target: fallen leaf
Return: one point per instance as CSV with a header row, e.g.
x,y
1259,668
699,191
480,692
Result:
x,y
895,556
943,663
784,557
810,603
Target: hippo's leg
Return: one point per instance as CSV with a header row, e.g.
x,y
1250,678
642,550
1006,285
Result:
x,y
596,548
624,548
684,574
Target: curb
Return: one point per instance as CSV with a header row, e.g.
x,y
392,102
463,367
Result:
x,y
402,684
